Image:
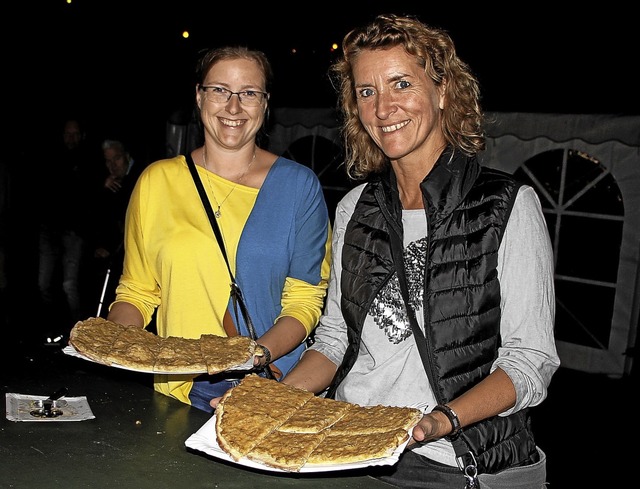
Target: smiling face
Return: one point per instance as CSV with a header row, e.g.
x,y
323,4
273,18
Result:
x,y
398,104
232,124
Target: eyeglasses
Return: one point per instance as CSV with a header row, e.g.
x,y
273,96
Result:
x,y
220,95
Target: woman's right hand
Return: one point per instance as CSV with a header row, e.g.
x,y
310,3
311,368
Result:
x,y
113,183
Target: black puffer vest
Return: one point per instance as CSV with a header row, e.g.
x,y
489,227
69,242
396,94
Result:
x,y
467,209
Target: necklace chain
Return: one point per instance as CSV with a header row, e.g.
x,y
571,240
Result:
x,y
217,212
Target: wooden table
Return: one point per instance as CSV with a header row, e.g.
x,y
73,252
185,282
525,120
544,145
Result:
x,y
137,439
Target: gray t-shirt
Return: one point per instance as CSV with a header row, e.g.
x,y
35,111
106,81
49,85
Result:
x,y
389,369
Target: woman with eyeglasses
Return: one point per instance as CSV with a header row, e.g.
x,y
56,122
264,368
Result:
x,y
273,221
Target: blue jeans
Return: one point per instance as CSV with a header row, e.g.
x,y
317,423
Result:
x,y
206,388
61,252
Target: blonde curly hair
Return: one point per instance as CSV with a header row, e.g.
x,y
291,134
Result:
x,y
462,118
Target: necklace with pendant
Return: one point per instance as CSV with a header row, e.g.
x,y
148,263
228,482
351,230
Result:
x,y
219,205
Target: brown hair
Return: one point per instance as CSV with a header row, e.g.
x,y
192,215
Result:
x,y
212,56
434,49
215,55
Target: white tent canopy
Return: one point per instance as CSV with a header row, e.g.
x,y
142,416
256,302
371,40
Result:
x,y
602,314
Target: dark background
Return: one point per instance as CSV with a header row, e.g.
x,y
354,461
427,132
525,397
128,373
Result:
x,y
126,67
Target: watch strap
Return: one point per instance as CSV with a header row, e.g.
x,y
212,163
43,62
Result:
x,y
266,355
453,419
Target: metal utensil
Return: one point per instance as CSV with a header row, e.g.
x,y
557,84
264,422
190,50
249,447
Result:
x,y
58,394
48,408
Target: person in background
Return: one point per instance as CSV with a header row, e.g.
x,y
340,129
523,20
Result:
x,y
69,182
108,234
441,292
273,218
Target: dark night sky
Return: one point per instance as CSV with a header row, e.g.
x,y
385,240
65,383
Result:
x,y
126,67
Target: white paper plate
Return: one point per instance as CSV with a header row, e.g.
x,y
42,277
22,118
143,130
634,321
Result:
x,y
204,440
70,350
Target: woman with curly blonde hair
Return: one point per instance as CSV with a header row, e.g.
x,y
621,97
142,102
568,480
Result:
x,y
441,292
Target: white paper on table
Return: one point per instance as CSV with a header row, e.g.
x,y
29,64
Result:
x,y
19,407
204,440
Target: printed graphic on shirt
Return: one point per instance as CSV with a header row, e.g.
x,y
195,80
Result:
x,y
388,309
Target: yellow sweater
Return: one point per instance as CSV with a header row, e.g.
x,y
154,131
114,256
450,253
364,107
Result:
x,y
173,261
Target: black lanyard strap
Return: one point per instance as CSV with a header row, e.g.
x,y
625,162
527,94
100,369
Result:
x,y
236,294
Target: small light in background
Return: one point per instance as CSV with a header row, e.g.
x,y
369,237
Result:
x,y
185,34
334,46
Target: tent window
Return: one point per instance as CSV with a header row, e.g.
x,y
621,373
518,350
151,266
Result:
x,y
325,158
584,210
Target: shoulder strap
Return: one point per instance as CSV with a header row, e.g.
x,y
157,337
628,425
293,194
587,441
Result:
x,y
236,293
461,449
209,210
